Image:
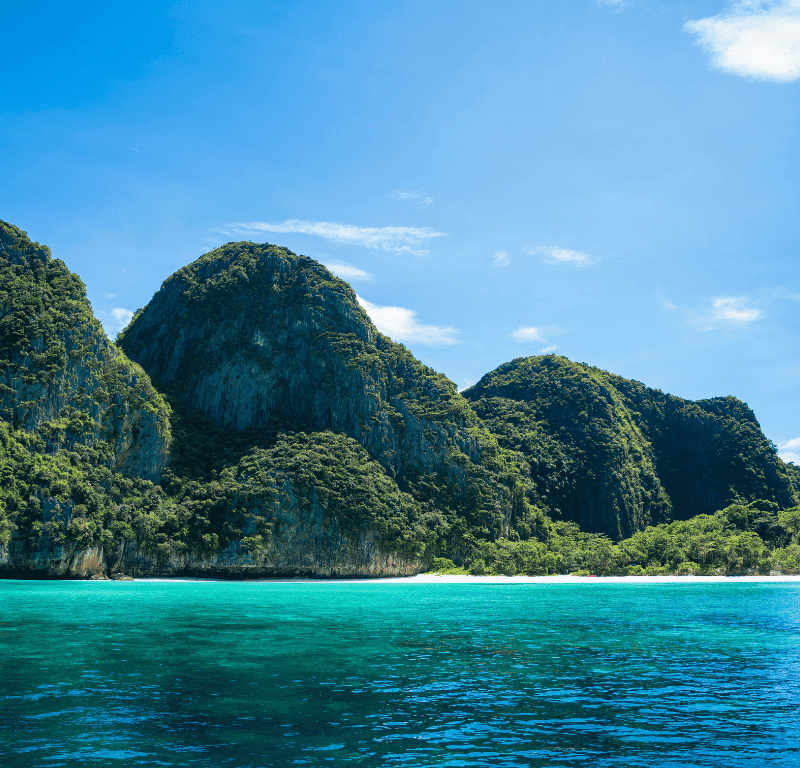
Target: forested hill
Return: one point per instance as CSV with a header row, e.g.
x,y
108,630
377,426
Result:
x,y
614,455
254,337
301,441
60,378
251,421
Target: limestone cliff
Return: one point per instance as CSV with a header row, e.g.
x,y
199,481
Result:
x,y
59,374
310,505
266,428
253,336
615,456
84,434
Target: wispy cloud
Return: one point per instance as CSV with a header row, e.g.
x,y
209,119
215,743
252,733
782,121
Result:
x,y
732,309
346,271
393,239
401,324
539,334
754,38
790,450
420,198
555,255
615,5
724,312
466,383
113,322
501,258
122,316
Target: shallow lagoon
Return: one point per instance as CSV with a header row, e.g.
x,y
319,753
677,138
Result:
x,y
415,672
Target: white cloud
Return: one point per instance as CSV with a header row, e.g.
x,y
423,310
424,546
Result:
x,y
395,239
501,258
346,271
790,450
537,333
529,333
113,322
401,324
122,316
754,38
731,309
466,383
616,5
420,198
725,312
669,305
555,255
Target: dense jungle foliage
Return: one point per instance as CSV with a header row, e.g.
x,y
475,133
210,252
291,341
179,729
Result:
x,y
258,338
615,456
428,519
74,498
564,455
59,375
740,539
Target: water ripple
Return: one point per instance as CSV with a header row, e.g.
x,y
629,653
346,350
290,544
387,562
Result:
x,y
281,674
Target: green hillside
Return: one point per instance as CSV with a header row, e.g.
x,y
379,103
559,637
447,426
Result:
x,y
615,456
251,421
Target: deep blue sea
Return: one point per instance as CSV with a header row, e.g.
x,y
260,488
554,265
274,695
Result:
x,y
399,674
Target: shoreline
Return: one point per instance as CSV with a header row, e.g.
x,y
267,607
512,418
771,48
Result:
x,y
432,578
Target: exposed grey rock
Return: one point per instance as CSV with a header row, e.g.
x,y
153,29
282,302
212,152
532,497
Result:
x,y
60,373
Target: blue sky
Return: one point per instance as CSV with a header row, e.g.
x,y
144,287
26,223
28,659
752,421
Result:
x,y
615,181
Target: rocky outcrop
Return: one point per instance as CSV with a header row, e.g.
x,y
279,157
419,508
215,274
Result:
x,y
709,453
305,541
254,335
305,545
615,456
79,417
312,505
59,374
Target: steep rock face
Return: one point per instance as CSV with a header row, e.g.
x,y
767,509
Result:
x,y
615,456
83,433
710,453
311,505
307,544
51,560
59,374
305,539
253,335
588,458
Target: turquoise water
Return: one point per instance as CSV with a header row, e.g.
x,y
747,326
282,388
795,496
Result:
x,y
398,674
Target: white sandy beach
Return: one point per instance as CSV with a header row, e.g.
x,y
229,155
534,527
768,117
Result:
x,y
429,578
433,578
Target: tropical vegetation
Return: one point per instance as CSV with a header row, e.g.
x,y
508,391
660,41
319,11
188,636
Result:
x,y
169,439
